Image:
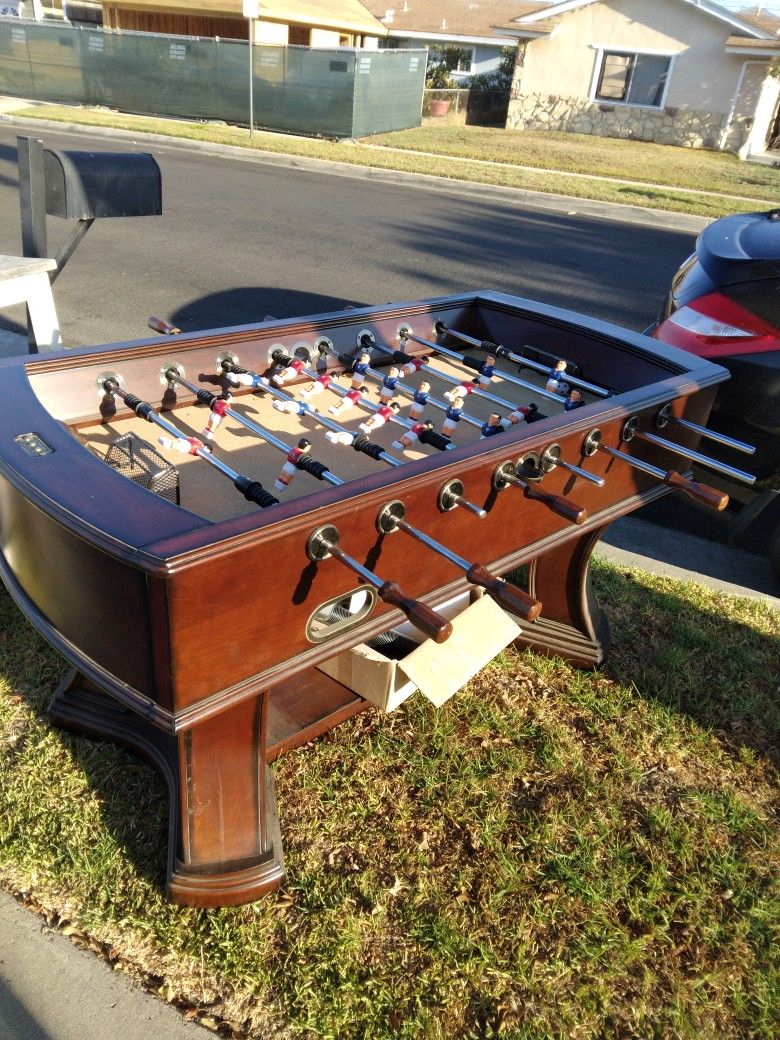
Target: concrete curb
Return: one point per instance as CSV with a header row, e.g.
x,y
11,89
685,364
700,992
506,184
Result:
x,y
429,182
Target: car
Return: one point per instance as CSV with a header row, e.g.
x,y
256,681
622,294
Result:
x,y
724,305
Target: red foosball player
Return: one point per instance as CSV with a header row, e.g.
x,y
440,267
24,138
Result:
x,y
462,390
380,417
524,413
414,365
350,398
389,383
420,399
289,469
218,411
412,435
555,381
186,445
317,386
452,416
290,372
359,369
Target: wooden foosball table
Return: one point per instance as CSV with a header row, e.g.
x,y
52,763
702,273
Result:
x,y
198,523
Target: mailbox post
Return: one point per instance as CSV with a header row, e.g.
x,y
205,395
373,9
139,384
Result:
x,y
80,186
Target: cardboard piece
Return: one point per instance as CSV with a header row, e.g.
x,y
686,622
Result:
x,y
441,669
438,670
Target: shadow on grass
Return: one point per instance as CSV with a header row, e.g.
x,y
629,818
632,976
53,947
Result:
x,y
698,655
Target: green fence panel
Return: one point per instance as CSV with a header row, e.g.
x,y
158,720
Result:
x,y
335,93
15,70
388,91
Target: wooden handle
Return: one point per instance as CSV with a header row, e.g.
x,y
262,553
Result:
x,y
701,492
165,327
562,506
508,596
430,623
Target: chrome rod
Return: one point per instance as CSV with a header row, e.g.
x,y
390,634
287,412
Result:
x,y
434,402
713,435
696,456
173,376
598,481
455,356
511,355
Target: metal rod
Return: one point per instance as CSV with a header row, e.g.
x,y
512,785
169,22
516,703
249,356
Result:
x,y
173,377
713,435
408,391
324,542
391,518
701,492
451,495
695,456
519,359
455,356
252,490
592,477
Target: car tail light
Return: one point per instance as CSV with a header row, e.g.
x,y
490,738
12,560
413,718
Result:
x,y
716,326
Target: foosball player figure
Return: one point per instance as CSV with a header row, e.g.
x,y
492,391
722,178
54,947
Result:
x,y
414,365
186,445
412,435
524,413
352,397
289,469
495,424
317,386
555,381
389,383
247,379
452,416
419,400
462,390
359,369
379,418
574,400
286,374
486,371
218,412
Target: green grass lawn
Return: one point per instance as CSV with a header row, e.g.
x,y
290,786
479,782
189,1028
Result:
x,y
697,168
551,854
717,175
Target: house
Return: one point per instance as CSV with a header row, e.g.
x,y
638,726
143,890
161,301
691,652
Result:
x,y
684,72
308,23
466,28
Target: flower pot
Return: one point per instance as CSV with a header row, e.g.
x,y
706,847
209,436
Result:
x,y
439,107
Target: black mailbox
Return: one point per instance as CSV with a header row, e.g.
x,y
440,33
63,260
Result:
x,y
86,185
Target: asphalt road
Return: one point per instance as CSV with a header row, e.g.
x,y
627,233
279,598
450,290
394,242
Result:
x,y
239,239
242,236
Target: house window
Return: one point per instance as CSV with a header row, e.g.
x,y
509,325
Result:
x,y
299,36
457,59
633,79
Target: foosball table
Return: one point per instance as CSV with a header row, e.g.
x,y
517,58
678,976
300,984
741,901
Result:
x,y
199,523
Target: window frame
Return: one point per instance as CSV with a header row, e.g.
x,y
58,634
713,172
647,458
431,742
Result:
x,y
603,51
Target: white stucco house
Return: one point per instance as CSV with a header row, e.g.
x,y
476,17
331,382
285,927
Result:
x,y
684,72
470,26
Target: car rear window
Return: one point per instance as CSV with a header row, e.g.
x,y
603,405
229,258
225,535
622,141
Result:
x,y
760,298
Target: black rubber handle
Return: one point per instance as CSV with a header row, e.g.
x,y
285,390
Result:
x,y
373,450
253,491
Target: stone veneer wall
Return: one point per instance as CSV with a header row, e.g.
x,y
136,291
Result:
x,y
690,128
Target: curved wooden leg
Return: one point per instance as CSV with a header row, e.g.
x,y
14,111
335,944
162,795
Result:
x,y
572,624
224,845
